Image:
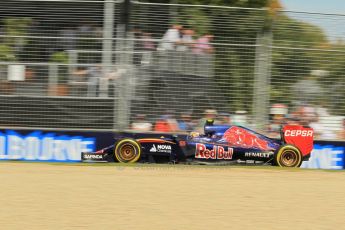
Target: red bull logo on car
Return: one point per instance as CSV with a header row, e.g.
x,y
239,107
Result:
x,y
218,152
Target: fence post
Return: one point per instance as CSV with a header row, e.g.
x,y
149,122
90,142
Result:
x,y
53,72
107,51
107,48
262,77
122,99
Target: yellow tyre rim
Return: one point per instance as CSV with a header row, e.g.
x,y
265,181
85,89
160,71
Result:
x,y
289,156
127,151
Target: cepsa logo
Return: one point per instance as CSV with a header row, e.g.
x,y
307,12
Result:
x,y
298,133
218,152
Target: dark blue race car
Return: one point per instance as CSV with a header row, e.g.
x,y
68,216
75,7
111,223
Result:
x,y
218,144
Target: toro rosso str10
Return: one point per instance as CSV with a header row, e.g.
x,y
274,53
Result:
x,y
218,144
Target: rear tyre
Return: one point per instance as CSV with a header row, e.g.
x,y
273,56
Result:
x,y
288,156
127,151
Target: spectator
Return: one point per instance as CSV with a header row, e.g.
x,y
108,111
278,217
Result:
x,y
322,110
203,45
224,119
166,123
341,134
210,114
185,122
148,44
240,118
91,80
85,29
278,113
187,41
171,38
78,82
138,46
318,128
321,130
148,47
31,86
140,123
94,73
305,113
68,38
311,116
6,87
291,120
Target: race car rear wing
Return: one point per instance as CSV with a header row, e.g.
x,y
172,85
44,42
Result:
x,y
299,136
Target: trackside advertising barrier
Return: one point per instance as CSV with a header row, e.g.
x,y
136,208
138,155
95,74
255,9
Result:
x,y
48,146
327,155
66,146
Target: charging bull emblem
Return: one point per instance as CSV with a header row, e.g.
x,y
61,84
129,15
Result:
x,y
240,137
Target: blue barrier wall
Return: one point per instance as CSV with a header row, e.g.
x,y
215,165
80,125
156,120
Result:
x,y
61,146
66,146
327,155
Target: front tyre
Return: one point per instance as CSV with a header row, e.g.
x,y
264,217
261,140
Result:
x,y
288,156
127,151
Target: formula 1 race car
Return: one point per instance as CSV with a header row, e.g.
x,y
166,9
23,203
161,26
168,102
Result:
x,y
219,144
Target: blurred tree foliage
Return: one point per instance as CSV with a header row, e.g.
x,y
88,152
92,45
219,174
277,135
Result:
x,y
235,31
298,48
296,53
234,65
15,30
292,54
61,57
6,53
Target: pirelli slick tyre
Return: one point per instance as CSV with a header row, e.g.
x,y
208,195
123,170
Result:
x,y
288,156
127,151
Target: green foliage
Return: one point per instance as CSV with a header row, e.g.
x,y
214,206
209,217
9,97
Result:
x,y
296,58
234,70
303,33
6,53
237,3
333,63
61,57
194,18
16,26
234,66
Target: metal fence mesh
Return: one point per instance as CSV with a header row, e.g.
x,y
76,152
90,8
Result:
x,y
307,72
113,65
